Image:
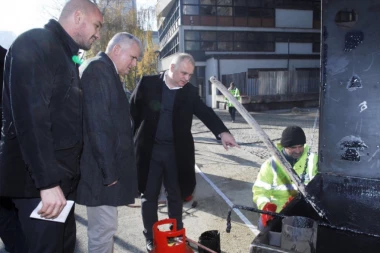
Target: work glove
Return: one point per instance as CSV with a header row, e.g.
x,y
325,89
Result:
x,y
287,202
266,217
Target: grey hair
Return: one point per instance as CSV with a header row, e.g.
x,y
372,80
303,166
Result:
x,y
180,57
71,6
125,40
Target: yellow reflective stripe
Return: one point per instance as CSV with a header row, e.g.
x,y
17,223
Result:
x,y
266,186
310,165
285,187
261,184
274,170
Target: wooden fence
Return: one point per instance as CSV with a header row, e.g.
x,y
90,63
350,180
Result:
x,y
276,82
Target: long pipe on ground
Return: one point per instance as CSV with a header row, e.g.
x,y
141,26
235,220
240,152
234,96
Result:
x,y
275,152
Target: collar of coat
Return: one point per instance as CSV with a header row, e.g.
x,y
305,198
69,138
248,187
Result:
x,y
71,47
165,76
104,57
156,89
290,159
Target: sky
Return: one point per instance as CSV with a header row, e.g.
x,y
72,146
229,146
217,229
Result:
x,y
17,16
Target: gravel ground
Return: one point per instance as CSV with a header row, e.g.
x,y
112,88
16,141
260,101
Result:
x,y
224,177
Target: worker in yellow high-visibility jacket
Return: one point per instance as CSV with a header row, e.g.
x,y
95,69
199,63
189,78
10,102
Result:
x,y
236,93
273,187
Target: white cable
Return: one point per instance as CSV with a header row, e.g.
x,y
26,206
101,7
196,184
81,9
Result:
x,y
253,228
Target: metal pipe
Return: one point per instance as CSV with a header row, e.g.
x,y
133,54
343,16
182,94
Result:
x,y
200,245
275,152
193,205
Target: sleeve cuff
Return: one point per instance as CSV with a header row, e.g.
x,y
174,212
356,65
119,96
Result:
x,y
49,186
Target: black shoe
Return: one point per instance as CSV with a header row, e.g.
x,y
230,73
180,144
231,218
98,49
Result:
x,y
149,245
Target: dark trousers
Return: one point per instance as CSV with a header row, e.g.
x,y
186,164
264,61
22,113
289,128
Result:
x,y
45,236
163,168
10,227
232,111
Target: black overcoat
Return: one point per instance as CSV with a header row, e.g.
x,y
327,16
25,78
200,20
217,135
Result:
x,y
108,153
42,114
3,52
145,111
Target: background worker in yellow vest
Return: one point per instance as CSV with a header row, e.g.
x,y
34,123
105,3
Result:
x,y
236,93
273,188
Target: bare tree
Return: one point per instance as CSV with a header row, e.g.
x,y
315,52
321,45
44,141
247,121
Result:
x,y
52,10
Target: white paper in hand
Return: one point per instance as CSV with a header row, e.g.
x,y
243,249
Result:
x,y
61,217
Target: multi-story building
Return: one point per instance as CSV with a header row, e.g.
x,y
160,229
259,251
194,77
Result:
x,y
267,47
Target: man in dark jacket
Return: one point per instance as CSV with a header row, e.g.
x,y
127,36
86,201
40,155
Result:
x,y
42,123
108,168
162,107
3,52
10,228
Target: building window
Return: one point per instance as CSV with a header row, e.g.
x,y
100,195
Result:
x,y
229,12
208,2
254,12
241,12
192,45
267,13
242,36
190,1
245,41
169,25
208,10
190,10
241,2
257,13
224,2
263,42
252,36
225,46
171,47
208,46
256,3
295,4
191,35
240,46
225,36
208,35
224,11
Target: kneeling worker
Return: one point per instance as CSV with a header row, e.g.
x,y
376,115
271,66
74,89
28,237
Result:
x,y
273,188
